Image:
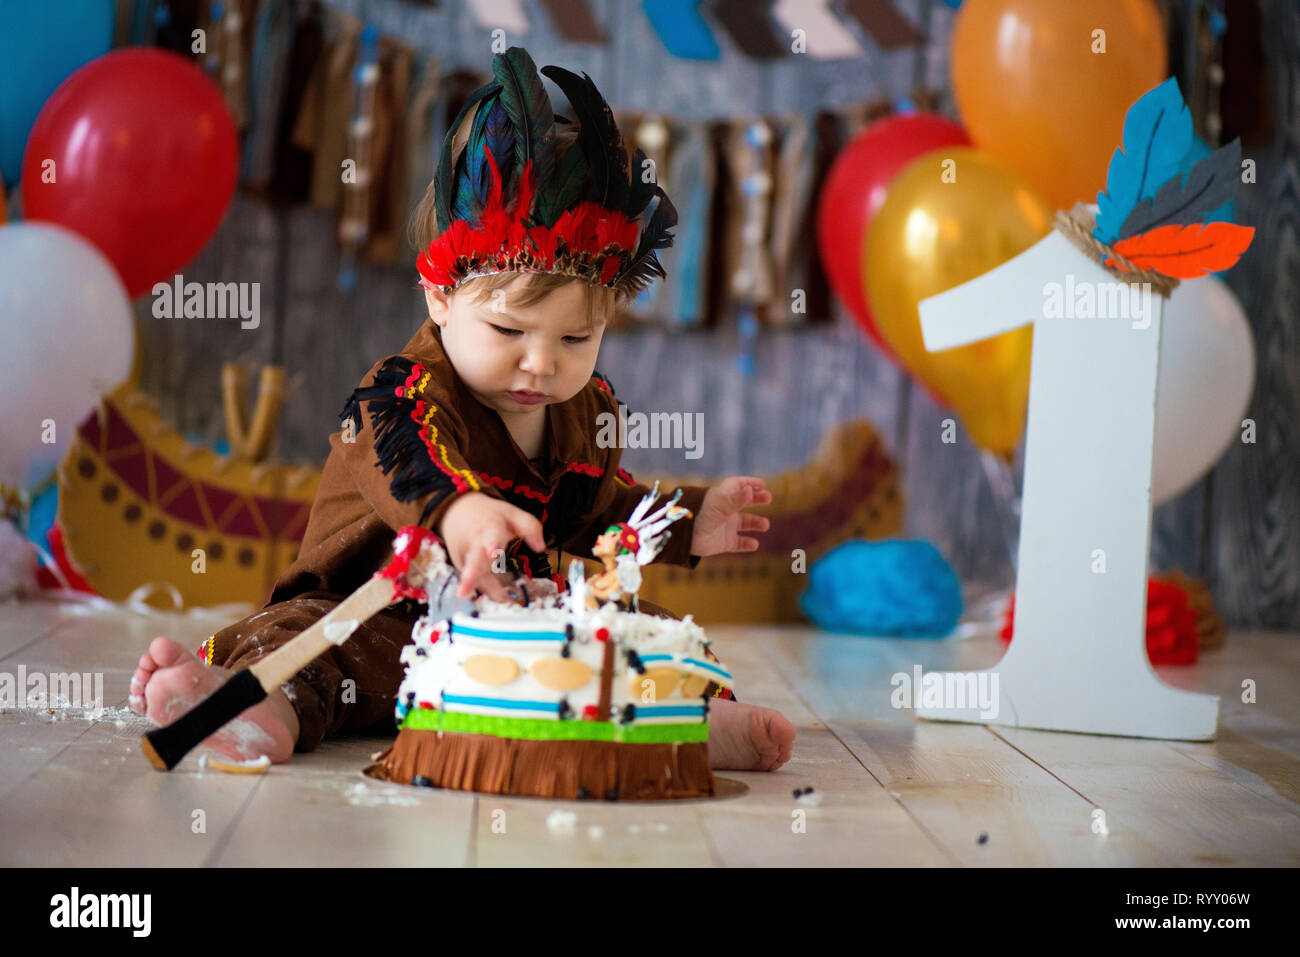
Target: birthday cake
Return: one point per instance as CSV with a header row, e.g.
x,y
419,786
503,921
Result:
x,y
570,696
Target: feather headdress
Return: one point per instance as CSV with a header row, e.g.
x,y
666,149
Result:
x,y
505,200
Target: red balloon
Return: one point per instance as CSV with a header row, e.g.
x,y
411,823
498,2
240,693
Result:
x,y
145,158
855,190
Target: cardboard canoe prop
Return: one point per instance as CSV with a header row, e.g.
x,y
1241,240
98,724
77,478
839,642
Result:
x,y
139,503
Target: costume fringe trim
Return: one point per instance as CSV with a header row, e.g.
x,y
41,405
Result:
x,y
406,435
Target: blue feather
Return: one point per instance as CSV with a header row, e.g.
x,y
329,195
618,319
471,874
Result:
x,y
1157,134
500,136
492,128
445,187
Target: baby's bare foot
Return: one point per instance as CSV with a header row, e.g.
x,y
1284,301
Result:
x,y
170,681
745,737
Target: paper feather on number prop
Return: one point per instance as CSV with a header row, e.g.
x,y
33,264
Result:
x,y
1210,183
1157,135
1186,252
1153,215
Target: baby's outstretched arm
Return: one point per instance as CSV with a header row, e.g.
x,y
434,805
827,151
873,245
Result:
x,y
722,518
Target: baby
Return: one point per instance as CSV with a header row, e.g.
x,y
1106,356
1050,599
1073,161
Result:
x,y
484,428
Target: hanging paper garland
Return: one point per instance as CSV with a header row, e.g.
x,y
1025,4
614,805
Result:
x,y
887,26
747,25
682,29
575,21
825,36
507,15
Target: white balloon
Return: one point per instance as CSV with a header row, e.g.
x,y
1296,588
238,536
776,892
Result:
x,y
1207,374
66,338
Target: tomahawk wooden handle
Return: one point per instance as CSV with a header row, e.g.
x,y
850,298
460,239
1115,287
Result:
x,y
164,747
334,629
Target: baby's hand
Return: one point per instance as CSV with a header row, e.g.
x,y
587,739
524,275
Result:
x,y
473,528
721,520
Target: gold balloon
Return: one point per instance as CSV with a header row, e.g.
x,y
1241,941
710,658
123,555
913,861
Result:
x,y
1043,85
951,215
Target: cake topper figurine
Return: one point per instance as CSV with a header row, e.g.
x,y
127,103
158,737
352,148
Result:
x,y
623,548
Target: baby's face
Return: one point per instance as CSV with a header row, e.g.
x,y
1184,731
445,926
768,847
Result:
x,y
519,359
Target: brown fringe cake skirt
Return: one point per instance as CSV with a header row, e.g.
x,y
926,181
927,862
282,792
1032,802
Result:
x,y
608,770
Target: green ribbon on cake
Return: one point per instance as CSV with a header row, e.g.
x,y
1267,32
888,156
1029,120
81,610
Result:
x,y
540,729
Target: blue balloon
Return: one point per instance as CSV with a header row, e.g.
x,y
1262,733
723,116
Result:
x,y
899,588
40,45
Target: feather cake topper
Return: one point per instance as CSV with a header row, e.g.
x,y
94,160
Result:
x,y
645,536
1150,213
506,200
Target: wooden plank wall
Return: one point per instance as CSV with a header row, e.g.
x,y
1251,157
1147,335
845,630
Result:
x,y
1254,511
1240,528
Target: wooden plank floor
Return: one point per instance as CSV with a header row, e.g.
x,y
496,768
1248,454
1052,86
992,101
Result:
x,y
74,789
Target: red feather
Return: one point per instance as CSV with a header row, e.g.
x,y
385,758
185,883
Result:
x,y
1185,252
544,240
524,199
494,203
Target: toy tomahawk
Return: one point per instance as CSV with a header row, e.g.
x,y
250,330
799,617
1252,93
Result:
x,y
416,571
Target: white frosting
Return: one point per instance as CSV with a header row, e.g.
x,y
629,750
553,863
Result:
x,y
526,635
338,632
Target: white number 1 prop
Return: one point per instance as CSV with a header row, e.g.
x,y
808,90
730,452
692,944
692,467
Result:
x,y
1078,659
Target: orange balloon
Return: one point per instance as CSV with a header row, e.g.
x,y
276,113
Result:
x,y
1043,85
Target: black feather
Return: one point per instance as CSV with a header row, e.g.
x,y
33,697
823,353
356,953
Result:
x,y
598,137
565,188
639,191
529,107
444,179
645,266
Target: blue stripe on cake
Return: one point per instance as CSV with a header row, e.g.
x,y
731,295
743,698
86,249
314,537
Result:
x,y
696,662
669,710
471,632
504,703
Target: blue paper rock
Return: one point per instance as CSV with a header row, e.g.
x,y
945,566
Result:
x,y
900,588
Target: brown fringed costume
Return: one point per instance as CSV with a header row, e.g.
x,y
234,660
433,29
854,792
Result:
x,y
576,493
